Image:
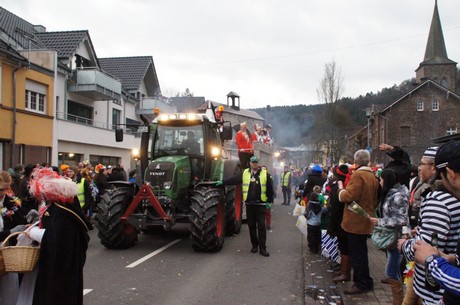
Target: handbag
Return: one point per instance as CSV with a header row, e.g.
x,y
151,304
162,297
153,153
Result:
x,y
385,238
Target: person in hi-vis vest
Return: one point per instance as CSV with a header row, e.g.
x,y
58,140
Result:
x,y
257,194
286,183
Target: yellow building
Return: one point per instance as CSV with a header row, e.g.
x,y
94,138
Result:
x,y
26,106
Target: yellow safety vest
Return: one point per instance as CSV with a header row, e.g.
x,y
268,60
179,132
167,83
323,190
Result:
x,y
263,184
286,178
81,192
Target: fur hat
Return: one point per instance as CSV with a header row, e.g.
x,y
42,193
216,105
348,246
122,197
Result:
x,y
46,184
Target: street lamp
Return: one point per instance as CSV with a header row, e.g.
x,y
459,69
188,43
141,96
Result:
x,y
135,154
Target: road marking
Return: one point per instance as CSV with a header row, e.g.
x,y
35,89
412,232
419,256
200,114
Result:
x,y
86,291
140,261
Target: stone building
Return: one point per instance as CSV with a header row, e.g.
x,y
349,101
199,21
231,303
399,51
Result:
x,y
429,111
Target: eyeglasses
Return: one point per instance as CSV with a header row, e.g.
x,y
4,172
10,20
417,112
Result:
x,y
426,163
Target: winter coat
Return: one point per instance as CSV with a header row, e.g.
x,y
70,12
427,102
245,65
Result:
x,y
313,180
363,189
394,207
62,256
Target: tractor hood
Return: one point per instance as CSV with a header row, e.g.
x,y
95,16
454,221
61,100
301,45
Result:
x,y
169,173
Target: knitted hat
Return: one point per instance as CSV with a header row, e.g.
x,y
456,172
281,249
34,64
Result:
x,y
317,169
46,184
341,171
430,152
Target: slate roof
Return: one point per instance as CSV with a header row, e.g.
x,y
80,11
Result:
x,y
17,31
12,53
130,70
435,52
65,42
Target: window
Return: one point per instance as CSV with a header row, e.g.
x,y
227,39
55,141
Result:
x,y
404,136
35,101
116,116
444,82
435,105
132,125
420,105
35,96
79,113
452,130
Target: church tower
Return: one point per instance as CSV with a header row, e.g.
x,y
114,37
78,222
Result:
x,y
436,66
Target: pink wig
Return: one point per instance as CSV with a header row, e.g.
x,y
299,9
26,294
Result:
x,y
45,184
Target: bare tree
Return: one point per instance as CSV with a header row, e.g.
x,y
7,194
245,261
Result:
x,y
334,122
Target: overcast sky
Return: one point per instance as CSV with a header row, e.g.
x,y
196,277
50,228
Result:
x,y
270,52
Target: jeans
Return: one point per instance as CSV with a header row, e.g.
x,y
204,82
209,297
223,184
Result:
x,y
286,194
357,248
393,266
256,222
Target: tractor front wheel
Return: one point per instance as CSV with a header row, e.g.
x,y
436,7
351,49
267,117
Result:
x,y
114,233
207,219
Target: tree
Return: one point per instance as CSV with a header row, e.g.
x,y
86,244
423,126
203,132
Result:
x,y
334,121
187,93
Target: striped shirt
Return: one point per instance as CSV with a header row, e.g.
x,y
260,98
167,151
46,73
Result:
x,y
439,213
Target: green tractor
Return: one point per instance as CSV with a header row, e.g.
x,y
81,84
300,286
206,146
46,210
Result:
x,y
176,184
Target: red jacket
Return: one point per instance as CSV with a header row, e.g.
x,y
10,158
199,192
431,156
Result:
x,y
243,144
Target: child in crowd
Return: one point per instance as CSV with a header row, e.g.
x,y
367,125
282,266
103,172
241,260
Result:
x,y
313,215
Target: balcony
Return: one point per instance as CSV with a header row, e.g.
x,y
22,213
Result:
x,y
95,84
97,124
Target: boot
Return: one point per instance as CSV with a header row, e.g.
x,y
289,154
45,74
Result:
x,y
397,291
345,268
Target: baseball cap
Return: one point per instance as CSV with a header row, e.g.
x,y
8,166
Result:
x,y
448,156
254,159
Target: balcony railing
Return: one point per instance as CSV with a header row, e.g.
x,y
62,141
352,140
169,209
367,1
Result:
x,y
92,123
95,84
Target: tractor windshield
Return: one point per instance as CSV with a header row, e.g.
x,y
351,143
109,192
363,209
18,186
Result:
x,y
175,140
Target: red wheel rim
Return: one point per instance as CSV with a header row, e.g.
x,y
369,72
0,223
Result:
x,y
238,203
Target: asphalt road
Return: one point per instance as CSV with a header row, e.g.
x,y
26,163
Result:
x,y
164,269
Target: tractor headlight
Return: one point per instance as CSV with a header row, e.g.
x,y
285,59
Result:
x,y
167,185
215,152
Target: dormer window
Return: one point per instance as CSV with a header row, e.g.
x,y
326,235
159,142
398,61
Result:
x,y
435,105
420,105
444,83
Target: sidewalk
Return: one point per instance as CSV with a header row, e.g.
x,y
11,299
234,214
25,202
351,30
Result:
x,y
320,289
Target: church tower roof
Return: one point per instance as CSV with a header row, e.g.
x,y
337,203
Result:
x,y
435,52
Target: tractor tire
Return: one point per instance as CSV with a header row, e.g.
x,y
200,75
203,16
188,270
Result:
x,y
207,219
114,233
234,204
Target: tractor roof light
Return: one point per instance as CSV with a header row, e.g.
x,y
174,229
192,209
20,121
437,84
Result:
x,y
164,117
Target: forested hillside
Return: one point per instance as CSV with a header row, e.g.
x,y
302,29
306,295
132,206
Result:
x,y
294,125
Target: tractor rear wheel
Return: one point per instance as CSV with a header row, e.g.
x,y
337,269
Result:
x,y
207,219
234,204
114,233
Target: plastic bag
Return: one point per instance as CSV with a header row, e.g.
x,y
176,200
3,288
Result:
x,y
298,210
302,225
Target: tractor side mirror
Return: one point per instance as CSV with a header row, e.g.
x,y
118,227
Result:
x,y
119,135
226,133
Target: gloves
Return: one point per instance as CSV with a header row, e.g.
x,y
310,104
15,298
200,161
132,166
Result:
x,y
219,183
18,228
268,205
32,216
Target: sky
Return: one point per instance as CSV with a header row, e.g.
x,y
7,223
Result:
x,y
270,52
